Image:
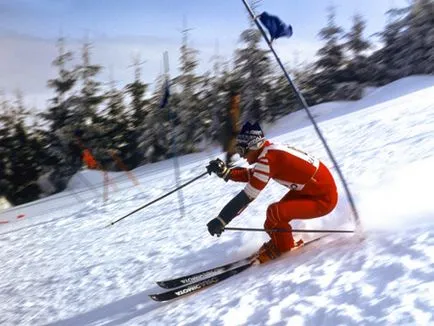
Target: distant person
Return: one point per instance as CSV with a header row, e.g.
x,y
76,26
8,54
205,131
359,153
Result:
x,y
312,189
230,126
88,160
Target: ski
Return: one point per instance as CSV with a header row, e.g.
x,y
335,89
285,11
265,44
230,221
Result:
x,y
191,278
199,285
195,277
198,281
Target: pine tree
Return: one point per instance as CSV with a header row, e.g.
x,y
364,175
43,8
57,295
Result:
x,y
214,97
159,124
86,112
137,91
5,132
217,101
220,119
330,60
358,67
87,118
253,70
331,55
23,168
115,108
139,135
280,99
58,113
418,35
407,42
356,43
59,116
385,60
184,104
116,126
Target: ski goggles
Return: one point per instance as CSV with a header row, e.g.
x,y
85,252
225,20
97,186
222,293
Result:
x,y
242,148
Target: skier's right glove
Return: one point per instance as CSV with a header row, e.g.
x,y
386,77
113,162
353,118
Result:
x,y
216,226
218,167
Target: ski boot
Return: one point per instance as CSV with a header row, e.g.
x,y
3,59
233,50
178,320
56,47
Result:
x,y
268,251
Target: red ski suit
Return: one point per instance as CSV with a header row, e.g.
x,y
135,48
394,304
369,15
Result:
x,y
312,191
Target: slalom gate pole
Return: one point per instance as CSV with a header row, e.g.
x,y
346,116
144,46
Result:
x,y
159,198
289,230
302,100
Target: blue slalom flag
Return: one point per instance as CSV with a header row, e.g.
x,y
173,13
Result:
x,y
275,26
166,95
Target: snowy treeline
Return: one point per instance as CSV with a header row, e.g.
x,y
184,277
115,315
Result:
x,y
129,124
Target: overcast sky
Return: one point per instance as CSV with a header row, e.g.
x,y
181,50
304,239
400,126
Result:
x,y
120,30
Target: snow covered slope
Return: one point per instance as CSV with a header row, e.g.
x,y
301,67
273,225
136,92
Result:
x,y
61,265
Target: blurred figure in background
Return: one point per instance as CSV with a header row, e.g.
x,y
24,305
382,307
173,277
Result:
x,y
231,125
88,160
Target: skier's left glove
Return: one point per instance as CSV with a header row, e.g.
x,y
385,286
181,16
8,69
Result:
x,y
216,226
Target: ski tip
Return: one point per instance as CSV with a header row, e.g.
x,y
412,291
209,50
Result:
x,y
154,297
163,284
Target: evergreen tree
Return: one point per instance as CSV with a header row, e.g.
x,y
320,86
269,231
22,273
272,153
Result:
x,y
214,97
330,56
281,99
22,165
138,136
418,35
86,112
59,114
217,102
137,91
330,60
5,132
356,42
117,126
358,69
407,42
184,103
253,70
220,118
159,124
115,112
384,60
88,120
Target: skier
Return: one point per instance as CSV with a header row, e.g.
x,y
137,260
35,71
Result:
x,y
88,160
312,189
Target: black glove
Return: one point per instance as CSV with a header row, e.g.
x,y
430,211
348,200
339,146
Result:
x,y
218,167
216,226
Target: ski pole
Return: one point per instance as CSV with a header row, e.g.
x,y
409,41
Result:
x,y
159,198
289,230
